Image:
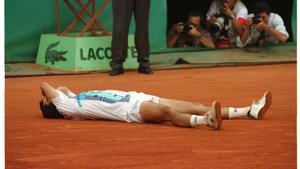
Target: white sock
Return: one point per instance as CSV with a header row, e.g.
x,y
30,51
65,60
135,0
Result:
x,y
197,120
238,112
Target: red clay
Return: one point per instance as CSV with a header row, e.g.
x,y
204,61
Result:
x,y
34,142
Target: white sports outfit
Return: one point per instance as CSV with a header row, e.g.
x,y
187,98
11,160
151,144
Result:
x,y
104,104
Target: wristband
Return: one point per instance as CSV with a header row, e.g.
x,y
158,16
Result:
x,y
231,17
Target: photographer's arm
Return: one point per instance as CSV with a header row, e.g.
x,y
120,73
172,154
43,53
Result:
x,y
272,31
174,34
245,35
172,40
235,20
276,34
237,26
206,41
209,22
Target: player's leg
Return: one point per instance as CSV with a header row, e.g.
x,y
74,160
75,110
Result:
x,y
187,107
255,111
156,113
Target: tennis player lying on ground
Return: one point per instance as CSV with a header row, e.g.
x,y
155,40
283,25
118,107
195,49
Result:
x,y
140,107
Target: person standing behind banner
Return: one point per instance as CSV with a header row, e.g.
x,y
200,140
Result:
x,y
122,12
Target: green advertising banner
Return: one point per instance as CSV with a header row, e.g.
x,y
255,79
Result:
x,y
81,53
26,21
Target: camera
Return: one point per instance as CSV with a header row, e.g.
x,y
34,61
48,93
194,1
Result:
x,y
219,23
186,27
256,20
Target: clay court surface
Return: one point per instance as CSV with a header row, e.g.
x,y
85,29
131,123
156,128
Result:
x,y
34,142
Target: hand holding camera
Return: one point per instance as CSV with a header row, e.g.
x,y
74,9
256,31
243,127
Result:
x,y
261,25
193,31
187,28
257,22
184,27
221,19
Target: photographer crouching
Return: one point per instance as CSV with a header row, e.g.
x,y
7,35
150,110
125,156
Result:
x,y
189,34
263,27
226,19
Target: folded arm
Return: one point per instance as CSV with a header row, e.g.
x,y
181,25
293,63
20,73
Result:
x,y
66,91
48,91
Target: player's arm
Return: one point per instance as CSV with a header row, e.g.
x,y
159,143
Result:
x,y
66,91
48,91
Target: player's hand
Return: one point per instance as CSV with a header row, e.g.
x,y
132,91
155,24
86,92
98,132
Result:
x,y
46,101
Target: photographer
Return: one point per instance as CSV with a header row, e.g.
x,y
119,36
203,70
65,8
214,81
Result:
x,y
263,27
225,21
189,34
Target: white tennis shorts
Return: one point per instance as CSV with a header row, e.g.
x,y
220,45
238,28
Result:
x,y
136,99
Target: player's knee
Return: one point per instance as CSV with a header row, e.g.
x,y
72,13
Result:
x,y
167,112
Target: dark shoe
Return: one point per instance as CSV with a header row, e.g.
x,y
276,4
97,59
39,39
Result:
x,y
145,70
116,71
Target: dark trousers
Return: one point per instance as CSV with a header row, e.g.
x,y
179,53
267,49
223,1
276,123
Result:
x,y
122,12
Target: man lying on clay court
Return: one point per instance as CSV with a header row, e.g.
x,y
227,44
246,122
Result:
x,y
139,107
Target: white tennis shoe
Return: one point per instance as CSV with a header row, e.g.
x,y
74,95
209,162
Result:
x,y
260,107
213,117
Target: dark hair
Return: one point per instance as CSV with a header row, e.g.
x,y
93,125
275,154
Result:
x,y
49,111
196,13
261,7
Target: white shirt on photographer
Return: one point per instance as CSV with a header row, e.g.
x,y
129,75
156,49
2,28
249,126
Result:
x,y
240,11
275,22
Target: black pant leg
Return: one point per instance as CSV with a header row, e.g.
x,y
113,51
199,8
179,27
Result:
x,y
122,12
141,14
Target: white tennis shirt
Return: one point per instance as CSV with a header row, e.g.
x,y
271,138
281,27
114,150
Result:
x,y
104,104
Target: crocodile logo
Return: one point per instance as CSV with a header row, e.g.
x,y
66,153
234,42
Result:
x,y
53,56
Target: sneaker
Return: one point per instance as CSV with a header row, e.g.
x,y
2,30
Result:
x,y
213,117
260,107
